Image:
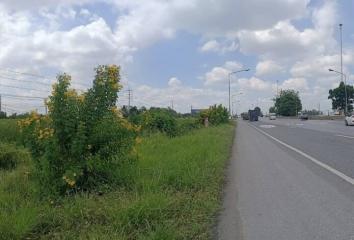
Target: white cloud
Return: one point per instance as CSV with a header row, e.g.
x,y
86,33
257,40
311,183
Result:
x,y
284,41
220,74
174,82
211,46
268,67
183,97
254,83
216,46
298,84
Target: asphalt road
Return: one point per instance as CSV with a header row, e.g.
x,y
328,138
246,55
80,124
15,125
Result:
x,y
290,180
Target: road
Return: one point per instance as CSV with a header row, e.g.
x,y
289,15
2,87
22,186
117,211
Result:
x,y
290,180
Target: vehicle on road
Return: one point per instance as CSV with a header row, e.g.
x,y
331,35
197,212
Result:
x,y
304,116
272,116
349,120
253,115
245,116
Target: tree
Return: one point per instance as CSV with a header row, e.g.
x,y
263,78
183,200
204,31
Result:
x,y
258,111
288,103
272,109
2,114
337,95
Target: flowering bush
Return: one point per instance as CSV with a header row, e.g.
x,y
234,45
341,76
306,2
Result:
x,y
84,141
160,119
216,114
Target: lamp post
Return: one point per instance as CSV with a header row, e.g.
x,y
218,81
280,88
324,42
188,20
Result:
x,y
243,70
345,87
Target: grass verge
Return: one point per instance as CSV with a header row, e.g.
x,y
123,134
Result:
x,y
175,196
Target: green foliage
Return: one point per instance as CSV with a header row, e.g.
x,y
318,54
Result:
x,y
288,103
2,114
258,111
176,195
9,131
312,112
84,141
11,156
272,109
162,120
134,114
337,95
216,114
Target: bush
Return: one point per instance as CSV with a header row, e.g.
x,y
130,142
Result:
x,y
216,115
160,119
11,156
84,142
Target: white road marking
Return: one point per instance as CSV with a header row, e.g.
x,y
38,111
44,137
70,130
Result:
x,y
267,126
345,136
325,166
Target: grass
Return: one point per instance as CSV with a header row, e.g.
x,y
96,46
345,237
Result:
x,y
8,130
175,196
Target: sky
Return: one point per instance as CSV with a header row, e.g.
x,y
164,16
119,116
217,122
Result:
x,y
177,52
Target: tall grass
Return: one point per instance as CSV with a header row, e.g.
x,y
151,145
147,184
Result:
x,y
174,197
8,130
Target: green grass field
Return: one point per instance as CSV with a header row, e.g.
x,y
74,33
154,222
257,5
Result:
x,y
8,130
175,196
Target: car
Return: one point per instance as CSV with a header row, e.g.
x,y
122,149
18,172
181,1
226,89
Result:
x,y
304,116
272,116
349,120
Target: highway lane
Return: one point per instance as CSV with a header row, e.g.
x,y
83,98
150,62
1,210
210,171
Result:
x,y
272,192
331,126
319,140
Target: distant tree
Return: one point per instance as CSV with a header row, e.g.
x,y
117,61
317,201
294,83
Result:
x,y
312,112
2,114
258,111
272,110
288,103
337,95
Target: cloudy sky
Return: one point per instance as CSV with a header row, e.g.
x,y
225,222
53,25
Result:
x,y
176,50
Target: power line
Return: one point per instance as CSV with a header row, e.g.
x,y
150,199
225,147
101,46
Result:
x,y
22,80
26,73
22,97
24,88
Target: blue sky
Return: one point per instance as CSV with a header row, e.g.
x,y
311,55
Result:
x,y
177,50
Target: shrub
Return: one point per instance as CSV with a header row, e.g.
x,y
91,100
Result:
x,y
84,142
215,114
160,119
11,156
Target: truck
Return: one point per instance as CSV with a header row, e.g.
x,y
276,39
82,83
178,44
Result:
x,y
253,115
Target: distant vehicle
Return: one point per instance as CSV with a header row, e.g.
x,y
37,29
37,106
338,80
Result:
x,y
349,120
253,115
272,116
304,116
245,116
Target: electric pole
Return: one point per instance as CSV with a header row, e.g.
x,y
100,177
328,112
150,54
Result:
x,y
129,96
341,51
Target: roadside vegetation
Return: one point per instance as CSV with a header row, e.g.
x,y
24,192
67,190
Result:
x,y
91,171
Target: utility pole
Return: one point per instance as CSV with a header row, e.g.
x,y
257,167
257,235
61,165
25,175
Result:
x,y
129,96
0,103
341,50
45,106
341,66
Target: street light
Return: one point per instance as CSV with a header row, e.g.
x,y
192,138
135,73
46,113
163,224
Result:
x,y
345,87
243,70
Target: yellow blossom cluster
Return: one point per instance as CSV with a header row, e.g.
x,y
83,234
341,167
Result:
x,y
45,133
69,181
33,118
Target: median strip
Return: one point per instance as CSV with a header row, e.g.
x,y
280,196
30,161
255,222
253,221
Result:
x,y
314,160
